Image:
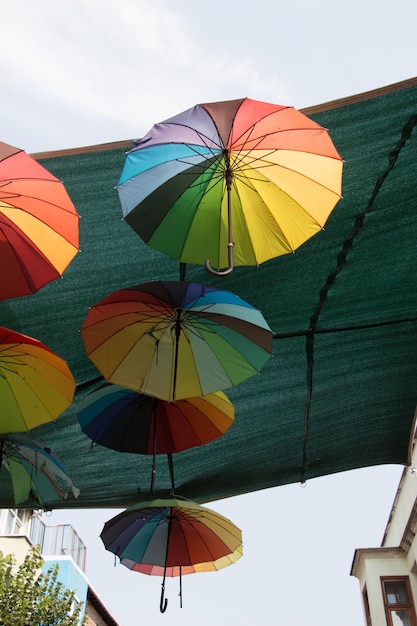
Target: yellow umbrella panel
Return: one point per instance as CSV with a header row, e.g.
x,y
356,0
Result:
x,y
36,385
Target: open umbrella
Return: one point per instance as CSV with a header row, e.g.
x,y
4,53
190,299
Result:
x,y
38,224
176,339
170,533
183,570
265,170
128,421
36,474
36,385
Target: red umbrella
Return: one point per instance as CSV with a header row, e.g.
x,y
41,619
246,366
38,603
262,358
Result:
x,y
38,224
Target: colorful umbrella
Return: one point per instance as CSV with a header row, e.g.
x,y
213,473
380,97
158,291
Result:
x,y
38,224
36,474
183,570
36,385
266,169
128,421
170,533
176,339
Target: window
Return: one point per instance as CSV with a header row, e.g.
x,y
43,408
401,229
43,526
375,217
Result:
x,y
366,605
398,602
12,522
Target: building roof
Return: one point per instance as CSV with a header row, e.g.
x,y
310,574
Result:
x,y
340,392
94,601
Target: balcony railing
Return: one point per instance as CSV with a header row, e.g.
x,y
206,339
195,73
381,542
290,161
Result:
x,y
57,541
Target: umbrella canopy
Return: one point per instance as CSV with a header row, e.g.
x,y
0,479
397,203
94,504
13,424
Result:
x,y
183,570
36,474
170,533
266,169
38,224
36,385
176,339
128,421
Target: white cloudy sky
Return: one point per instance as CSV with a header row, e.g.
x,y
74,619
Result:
x,y
81,72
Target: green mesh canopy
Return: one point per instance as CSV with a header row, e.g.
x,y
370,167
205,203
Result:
x,y
341,389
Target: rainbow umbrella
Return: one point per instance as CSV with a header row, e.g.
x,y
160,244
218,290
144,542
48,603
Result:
x,y
36,385
183,570
170,533
265,171
35,472
38,224
176,339
128,421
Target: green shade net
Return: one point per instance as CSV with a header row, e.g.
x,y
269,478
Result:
x,y
341,389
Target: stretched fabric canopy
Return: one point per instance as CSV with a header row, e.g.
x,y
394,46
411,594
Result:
x,y
340,392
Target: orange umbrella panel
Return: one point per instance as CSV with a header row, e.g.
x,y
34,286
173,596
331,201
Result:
x,y
39,225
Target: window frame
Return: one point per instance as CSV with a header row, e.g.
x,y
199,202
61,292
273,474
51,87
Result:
x,y
12,522
389,607
366,606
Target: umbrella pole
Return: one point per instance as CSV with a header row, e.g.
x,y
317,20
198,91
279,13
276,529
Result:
x,y
154,447
177,343
164,602
171,473
180,593
229,177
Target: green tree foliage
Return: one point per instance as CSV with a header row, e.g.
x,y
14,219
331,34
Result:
x,y
29,597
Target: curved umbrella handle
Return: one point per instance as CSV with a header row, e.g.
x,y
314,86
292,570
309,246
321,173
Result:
x,y
230,267
164,602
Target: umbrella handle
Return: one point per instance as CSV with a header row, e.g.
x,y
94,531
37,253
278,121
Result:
x,y
164,602
230,267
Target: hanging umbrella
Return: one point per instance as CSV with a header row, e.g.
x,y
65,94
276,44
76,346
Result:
x,y
36,474
265,170
183,570
176,339
128,421
36,385
170,533
38,224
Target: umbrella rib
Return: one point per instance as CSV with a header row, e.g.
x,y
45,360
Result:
x,y
204,138
31,197
21,364
246,182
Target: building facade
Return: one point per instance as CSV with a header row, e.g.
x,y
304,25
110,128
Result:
x,y
388,574
20,529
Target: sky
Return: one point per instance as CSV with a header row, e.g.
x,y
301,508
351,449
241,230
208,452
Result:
x,y
82,72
